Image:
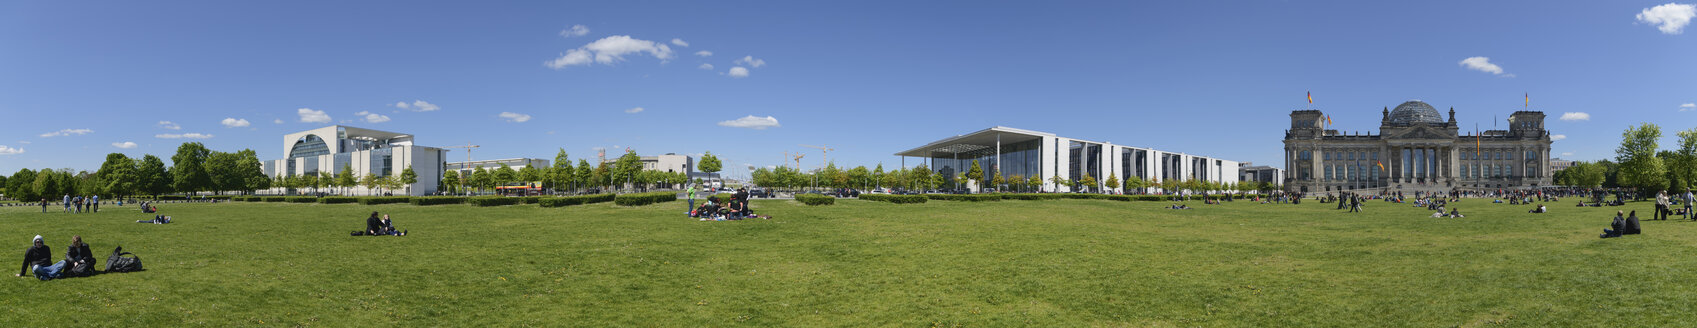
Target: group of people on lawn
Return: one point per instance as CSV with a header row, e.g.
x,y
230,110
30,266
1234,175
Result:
x,y
734,209
38,260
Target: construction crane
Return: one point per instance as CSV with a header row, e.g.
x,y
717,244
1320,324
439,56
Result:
x,y
824,152
797,159
468,146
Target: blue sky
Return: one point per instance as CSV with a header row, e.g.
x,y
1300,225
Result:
x,y
82,79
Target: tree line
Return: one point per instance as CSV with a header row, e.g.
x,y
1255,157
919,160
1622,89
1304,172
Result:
x,y
921,177
1640,163
625,172
194,169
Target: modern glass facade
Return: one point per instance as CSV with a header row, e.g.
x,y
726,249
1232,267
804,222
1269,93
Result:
x,y
1021,158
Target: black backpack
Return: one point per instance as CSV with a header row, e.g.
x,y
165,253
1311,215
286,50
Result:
x,y
118,263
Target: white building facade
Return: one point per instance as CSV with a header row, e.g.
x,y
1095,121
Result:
x,y
512,163
364,151
1029,153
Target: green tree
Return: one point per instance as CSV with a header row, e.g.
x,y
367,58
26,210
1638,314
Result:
x,y
975,173
1089,182
584,175
860,177
482,179
325,180
1684,165
529,174
251,172
119,175
188,170
878,176
451,180
408,178
504,175
222,172
47,182
1058,181
345,179
21,186
1135,184
996,179
1113,180
561,175
710,164
1639,166
626,168
370,182
152,176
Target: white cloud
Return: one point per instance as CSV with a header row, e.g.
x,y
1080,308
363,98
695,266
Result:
x,y
313,116
1575,116
169,126
183,136
1671,18
750,61
422,106
1558,137
575,30
634,110
231,122
679,42
1567,154
1688,107
66,132
402,104
704,53
738,72
10,151
370,117
124,145
752,122
1482,64
610,50
277,121
705,66
515,117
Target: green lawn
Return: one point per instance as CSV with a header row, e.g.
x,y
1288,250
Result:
x,y
1041,263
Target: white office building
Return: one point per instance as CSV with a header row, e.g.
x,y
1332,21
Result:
x,y
512,163
1029,153
333,148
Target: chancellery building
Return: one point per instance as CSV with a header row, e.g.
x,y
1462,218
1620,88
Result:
x,y
1416,149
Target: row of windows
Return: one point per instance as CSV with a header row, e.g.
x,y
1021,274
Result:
x,y
1352,172
1350,155
1494,155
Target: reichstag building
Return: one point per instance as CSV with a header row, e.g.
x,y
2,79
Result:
x,y
1416,149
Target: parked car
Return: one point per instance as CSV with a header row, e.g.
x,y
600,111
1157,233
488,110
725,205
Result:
x,y
759,193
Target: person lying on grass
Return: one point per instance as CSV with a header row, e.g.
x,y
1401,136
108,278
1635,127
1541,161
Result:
x,y
37,256
1456,213
1539,210
157,219
1176,206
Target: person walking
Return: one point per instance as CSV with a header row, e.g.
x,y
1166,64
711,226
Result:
x,y
67,203
1687,204
95,207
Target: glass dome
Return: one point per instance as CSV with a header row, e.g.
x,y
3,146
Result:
x,y
1415,111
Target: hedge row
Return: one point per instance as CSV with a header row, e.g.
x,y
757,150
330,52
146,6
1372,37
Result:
x,y
966,197
382,200
898,199
436,200
301,199
721,198
337,200
575,200
811,199
645,198
494,200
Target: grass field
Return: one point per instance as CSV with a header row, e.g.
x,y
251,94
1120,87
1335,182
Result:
x,y
1010,263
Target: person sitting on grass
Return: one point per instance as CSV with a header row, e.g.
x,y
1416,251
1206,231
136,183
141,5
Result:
x,y
1540,210
373,225
1632,227
1455,213
36,257
157,219
79,260
708,210
389,228
1616,227
735,212
1437,214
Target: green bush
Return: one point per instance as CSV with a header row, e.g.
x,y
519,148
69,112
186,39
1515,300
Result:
x,y
897,199
812,199
436,200
645,198
575,200
301,199
966,197
532,199
494,200
1032,196
273,198
376,200
337,200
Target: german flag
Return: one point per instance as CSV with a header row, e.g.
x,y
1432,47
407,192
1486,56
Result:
x,y
1310,97
1381,165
